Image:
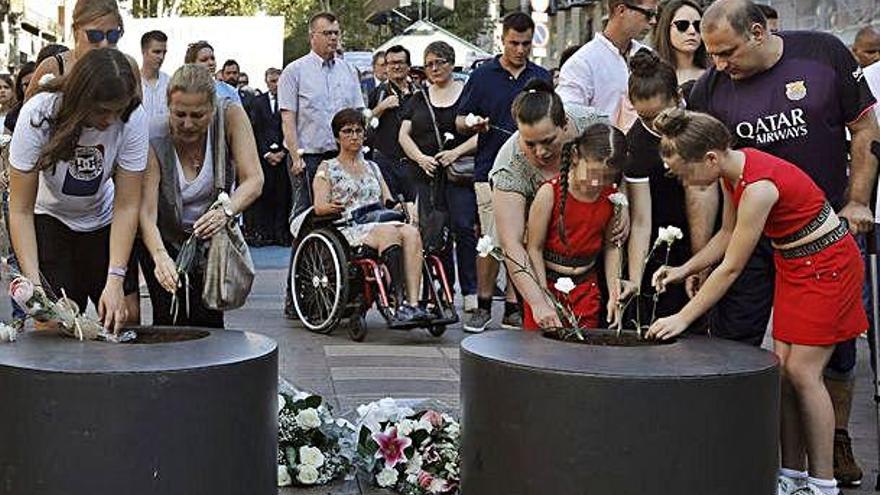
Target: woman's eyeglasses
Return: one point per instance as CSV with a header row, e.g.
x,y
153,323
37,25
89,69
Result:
x,y
96,36
436,64
352,131
683,25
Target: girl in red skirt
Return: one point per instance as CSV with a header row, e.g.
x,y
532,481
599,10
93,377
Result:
x,y
569,223
819,276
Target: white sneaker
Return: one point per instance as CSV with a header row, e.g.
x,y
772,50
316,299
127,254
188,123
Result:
x,y
789,486
470,303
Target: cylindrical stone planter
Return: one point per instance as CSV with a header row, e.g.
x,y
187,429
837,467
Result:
x,y
187,411
542,416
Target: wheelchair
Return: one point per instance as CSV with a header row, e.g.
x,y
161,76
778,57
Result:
x,y
334,284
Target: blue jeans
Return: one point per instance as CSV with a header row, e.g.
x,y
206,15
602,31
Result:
x,y
462,204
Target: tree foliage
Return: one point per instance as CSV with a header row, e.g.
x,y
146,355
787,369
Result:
x,y
219,7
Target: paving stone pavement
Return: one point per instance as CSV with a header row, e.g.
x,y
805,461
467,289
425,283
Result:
x,y
413,364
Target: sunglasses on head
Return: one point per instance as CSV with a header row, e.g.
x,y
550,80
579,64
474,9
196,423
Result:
x,y
96,36
684,24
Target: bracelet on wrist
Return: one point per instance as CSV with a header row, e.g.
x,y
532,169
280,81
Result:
x,y
117,271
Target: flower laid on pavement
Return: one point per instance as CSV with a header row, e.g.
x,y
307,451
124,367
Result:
x,y
412,454
564,285
8,333
391,447
313,446
284,478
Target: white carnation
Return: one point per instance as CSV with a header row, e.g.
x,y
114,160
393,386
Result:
x,y
308,418
284,476
307,475
387,477
485,246
668,235
311,456
472,120
564,285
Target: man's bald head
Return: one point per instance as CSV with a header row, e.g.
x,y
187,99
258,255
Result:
x,y
866,46
740,15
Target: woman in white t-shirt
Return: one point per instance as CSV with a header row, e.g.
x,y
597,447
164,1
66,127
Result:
x,y
77,158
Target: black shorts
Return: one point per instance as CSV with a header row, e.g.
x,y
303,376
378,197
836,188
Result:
x,y
76,262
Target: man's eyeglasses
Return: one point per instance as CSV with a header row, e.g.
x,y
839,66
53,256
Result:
x,y
684,24
96,36
648,13
329,32
436,64
352,131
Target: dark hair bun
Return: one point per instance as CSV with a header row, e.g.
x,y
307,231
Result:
x,y
672,122
538,86
644,63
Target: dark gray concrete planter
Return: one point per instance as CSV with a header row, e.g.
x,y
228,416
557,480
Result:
x,y
191,417
540,416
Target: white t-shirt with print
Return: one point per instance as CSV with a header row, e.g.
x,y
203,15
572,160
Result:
x,y
78,193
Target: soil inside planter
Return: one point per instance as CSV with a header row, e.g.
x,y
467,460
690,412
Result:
x,y
627,338
146,336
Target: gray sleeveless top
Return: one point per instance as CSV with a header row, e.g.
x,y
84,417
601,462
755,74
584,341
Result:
x,y
170,204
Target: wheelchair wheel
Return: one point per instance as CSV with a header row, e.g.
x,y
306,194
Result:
x,y
319,280
437,330
357,328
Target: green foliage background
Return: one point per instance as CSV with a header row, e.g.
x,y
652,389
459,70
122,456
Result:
x,y
468,20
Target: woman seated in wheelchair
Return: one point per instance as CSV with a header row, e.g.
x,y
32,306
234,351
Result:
x,y
349,185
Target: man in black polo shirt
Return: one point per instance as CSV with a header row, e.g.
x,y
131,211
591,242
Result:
x,y
385,101
794,95
488,95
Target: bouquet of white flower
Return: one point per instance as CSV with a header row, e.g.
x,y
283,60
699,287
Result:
x,y
411,452
314,448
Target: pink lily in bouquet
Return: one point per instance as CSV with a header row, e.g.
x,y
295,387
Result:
x,y
391,447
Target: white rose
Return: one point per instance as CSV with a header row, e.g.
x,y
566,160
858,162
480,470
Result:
x,y
406,427
284,476
472,120
619,199
311,456
564,285
485,246
437,486
307,475
387,477
308,418
414,466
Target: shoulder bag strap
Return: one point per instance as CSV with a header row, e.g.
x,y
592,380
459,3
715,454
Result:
x,y
427,97
219,144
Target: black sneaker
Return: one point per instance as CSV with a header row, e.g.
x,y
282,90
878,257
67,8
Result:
x,y
477,321
846,471
408,314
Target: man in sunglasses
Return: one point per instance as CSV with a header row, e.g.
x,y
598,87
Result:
x,y
794,95
598,73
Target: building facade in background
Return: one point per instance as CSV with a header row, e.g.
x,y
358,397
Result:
x,y
26,26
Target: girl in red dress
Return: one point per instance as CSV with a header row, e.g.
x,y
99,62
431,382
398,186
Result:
x,y
569,223
819,275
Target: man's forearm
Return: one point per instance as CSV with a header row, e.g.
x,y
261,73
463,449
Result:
x,y
702,210
288,129
863,169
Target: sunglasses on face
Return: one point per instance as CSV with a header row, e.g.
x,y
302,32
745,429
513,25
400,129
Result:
x,y
648,13
436,64
96,36
352,131
683,25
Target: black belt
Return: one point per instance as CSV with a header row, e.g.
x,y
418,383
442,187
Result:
x,y
570,261
806,229
819,244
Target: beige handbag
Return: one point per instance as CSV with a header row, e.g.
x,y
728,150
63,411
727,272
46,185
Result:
x,y
229,270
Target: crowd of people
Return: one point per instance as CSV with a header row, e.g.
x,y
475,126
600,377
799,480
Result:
x,y
761,146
